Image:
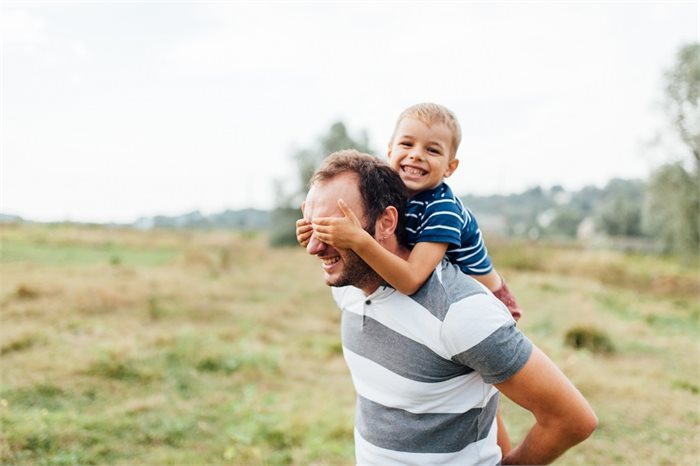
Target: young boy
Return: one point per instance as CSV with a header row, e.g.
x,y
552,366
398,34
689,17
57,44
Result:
x,y
423,151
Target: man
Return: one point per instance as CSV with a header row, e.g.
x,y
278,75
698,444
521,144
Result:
x,y
428,368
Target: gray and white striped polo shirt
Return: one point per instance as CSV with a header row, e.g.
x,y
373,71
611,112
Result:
x,y
423,368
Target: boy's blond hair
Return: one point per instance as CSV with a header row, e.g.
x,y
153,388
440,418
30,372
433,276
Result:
x,y
431,113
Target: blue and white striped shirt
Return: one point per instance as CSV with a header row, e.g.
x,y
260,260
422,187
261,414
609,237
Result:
x,y
438,216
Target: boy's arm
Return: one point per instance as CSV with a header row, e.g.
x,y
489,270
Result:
x,y
491,280
406,276
563,417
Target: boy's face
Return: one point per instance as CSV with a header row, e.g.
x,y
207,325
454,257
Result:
x,y
422,154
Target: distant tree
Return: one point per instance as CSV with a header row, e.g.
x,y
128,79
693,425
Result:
x,y
565,222
288,202
672,207
588,199
683,97
620,212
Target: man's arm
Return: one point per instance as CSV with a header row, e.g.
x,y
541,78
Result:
x,y
563,417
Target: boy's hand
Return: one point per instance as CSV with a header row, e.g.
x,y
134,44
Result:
x,y
340,232
304,232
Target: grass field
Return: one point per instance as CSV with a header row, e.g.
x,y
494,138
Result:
x,y
128,347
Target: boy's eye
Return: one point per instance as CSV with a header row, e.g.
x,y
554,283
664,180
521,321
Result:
x,y
405,144
434,151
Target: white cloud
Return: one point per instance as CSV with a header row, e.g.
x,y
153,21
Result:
x,y
21,27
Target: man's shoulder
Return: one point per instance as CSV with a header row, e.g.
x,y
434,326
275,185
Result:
x,y
457,283
447,287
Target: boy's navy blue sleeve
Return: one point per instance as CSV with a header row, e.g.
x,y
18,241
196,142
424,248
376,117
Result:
x,y
472,256
443,221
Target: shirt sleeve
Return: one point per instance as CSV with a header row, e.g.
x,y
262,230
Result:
x,y
442,222
479,332
472,256
499,356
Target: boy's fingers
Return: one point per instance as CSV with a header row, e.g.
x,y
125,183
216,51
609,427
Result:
x,y
323,221
347,211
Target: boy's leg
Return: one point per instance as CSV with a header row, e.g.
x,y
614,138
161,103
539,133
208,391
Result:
x,y
506,297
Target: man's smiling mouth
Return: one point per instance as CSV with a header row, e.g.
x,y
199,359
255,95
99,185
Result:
x,y
330,260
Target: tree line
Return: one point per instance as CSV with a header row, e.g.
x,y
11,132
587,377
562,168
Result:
x,y
664,208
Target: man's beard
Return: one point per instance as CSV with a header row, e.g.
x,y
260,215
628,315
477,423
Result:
x,y
356,272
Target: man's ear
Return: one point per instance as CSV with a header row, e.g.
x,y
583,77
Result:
x,y
386,223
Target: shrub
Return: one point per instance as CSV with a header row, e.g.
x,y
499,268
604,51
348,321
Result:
x,y
589,338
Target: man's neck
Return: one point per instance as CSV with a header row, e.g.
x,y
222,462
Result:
x,y
373,281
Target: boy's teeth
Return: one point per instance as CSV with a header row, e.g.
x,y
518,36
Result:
x,y
413,171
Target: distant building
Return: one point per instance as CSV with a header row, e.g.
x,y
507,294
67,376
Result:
x,y
586,230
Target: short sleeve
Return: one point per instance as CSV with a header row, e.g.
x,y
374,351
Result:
x,y
499,356
479,332
472,256
442,223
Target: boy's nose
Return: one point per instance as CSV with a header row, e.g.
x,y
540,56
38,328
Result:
x,y
415,154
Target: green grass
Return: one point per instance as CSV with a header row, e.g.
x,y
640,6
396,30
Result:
x,y
210,348
14,251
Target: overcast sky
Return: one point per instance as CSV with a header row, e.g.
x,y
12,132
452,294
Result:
x,y
114,110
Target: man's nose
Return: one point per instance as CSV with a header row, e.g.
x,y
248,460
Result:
x,y
315,246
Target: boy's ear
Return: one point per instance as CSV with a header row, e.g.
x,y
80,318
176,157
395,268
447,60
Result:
x,y
451,167
388,150
386,223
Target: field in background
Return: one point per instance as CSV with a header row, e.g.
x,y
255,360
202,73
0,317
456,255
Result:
x,y
128,347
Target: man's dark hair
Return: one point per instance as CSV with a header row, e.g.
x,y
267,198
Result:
x,y
379,185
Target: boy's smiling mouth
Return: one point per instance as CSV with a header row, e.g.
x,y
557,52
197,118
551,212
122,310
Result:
x,y
413,171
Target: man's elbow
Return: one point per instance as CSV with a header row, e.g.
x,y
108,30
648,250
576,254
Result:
x,y
581,428
589,425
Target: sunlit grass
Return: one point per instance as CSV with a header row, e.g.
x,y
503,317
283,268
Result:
x,y
210,348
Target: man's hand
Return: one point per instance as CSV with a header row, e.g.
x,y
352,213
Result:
x,y
344,232
563,417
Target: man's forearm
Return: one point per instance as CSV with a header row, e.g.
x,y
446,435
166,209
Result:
x,y
563,417
543,445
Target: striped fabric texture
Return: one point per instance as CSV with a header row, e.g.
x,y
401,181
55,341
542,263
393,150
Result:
x,y
423,368
438,216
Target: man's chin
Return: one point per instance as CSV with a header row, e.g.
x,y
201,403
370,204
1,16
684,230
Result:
x,y
332,280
